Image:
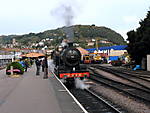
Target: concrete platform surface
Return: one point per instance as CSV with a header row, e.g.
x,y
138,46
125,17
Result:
x,y
33,94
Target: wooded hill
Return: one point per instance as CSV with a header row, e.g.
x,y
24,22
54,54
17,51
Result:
x,y
81,33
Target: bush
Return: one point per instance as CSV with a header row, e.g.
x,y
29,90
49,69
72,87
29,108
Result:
x,y
17,68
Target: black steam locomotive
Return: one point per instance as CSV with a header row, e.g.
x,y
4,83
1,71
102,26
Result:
x,y
67,64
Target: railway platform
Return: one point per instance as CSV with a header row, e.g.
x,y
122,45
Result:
x,y
33,94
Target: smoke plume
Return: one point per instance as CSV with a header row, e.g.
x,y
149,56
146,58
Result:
x,y
66,12
68,15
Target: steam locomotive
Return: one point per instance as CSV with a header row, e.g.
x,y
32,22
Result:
x,y
67,61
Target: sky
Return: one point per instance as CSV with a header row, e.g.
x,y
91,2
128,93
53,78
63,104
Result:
x,y
26,16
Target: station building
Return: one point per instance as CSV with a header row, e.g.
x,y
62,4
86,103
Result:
x,y
112,52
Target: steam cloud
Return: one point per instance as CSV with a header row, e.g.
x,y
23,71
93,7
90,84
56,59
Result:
x,y
80,84
63,44
51,65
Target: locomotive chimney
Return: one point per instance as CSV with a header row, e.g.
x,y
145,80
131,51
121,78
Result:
x,y
70,44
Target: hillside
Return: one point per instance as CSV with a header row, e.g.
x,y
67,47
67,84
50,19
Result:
x,y
81,33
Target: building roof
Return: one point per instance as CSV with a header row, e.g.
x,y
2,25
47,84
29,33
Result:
x,y
83,51
118,47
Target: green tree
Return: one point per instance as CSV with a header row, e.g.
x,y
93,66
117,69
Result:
x,y
139,40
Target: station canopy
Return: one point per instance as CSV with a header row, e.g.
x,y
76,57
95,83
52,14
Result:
x,y
33,55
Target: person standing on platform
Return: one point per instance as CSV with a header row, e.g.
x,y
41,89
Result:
x,y
45,68
38,65
22,63
31,62
43,64
26,64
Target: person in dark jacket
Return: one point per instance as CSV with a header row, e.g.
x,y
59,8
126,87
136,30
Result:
x,y
43,65
31,62
45,68
38,65
26,65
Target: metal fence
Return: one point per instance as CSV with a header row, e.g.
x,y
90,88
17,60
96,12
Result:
x,y
5,60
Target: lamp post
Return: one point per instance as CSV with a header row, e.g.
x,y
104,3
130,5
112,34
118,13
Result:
x,y
14,55
46,66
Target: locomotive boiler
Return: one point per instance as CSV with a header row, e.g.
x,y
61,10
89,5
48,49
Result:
x,y
68,65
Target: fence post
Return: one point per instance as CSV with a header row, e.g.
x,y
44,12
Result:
x,y
11,70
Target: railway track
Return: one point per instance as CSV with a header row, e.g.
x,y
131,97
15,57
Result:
x,y
145,76
134,92
94,103
129,82
132,78
140,75
122,69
